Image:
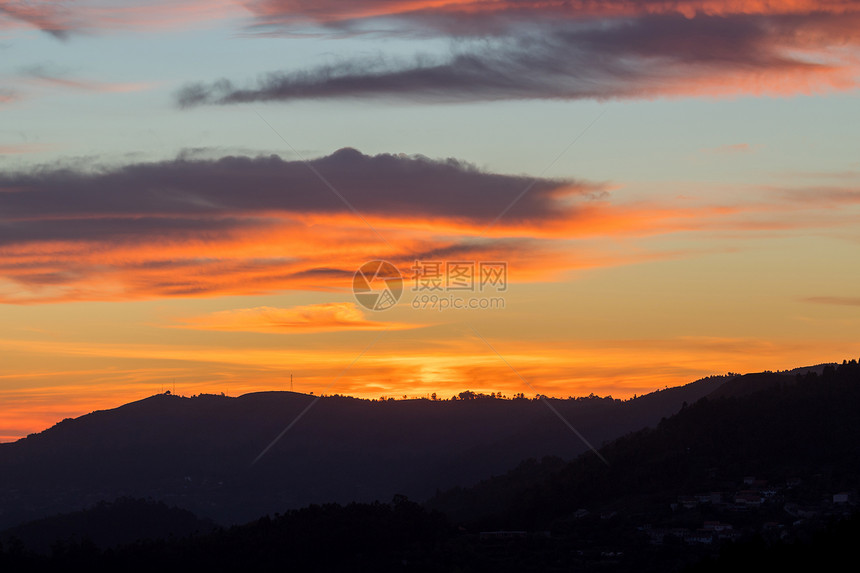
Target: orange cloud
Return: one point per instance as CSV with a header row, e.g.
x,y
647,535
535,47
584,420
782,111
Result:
x,y
113,235
328,317
117,235
322,255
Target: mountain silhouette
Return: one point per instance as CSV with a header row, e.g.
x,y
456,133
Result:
x,y
789,440
197,453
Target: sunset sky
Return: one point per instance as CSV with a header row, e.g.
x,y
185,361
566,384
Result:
x,y
187,189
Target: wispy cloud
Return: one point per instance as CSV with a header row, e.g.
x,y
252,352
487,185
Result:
x,y
731,149
822,196
574,51
55,77
64,19
50,17
24,148
480,17
328,317
819,175
7,96
836,300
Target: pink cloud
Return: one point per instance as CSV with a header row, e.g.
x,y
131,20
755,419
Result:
x,y
61,19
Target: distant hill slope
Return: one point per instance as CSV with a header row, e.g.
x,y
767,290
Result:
x,y
745,384
197,452
752,383
772,426
106,525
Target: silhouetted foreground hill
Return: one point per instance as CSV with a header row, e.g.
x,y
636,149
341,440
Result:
x,y
798,437
356,537
403,536
197,452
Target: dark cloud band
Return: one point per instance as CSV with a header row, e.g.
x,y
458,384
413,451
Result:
x,y
645,56
192,197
